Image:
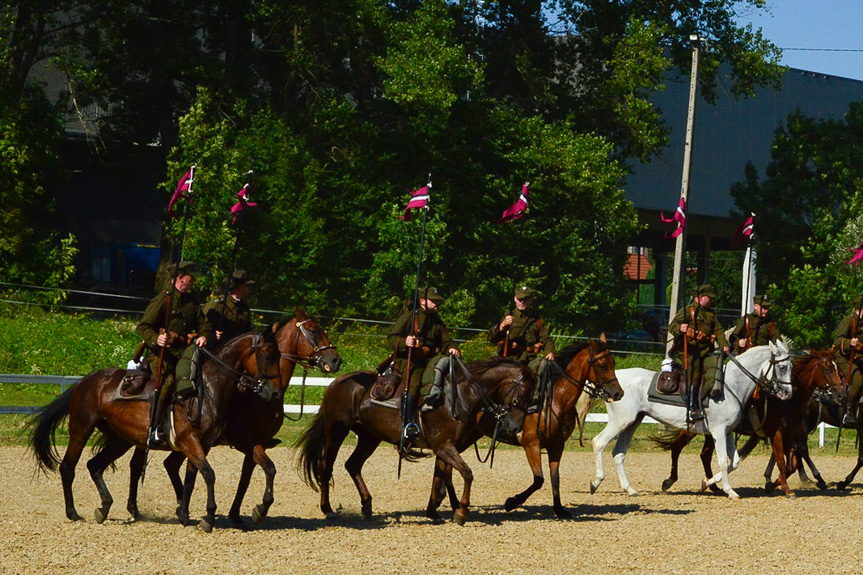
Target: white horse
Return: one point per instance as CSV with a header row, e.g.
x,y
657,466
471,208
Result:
x,y
768,366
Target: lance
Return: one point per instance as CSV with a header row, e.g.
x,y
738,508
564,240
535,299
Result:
x,y
413,329
234,252
168,305
516,273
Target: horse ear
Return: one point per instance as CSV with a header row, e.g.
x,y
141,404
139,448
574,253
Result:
x,y
300,314
602,338
276,327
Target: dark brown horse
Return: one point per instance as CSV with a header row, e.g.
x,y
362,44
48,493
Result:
x,y
252,422
248,363
347,406
577,366
781,422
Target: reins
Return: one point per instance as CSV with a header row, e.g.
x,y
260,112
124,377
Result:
x,y
306,361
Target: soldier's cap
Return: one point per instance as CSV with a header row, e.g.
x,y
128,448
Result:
x,y
186,268
524,291
706,289
238,278
430,293
762,301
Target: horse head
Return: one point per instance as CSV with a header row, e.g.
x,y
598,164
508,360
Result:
x,y
260,364
818,373
504,388
777,370
302,340
601,365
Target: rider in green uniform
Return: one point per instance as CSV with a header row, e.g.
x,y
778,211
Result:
x,y
429,341
229,314
754,329
700,326
522,336
186,324
849,342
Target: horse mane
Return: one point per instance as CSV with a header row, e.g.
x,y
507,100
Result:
x,y
480,367
564,356
800,362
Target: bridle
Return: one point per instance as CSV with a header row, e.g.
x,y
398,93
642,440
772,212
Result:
x,y
257,383
592,388
307,361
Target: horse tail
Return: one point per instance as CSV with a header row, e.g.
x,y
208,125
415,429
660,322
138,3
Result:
x,y
44,424
311,444
669,437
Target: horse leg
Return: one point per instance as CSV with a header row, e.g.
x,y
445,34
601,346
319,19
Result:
x,y
188,488
621,446
199,461
79,432
723,446
450,455
707,463
847,481
438,489
261,458
366,445
677,446
243,485
779,455
534,459
611,430
136,469
172,465
554,456
113,449
803,450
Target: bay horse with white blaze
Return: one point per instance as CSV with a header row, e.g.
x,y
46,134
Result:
x,y
576,367
252,422
347,406
248,363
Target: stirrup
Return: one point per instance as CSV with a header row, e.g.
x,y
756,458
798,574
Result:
x,y
411,431
156,438
848,420
696,415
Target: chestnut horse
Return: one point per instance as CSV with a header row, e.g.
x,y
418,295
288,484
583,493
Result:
x,y
583,365
248,362
779,421
347,406
252,422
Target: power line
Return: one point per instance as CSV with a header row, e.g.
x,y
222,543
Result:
x,y
824,49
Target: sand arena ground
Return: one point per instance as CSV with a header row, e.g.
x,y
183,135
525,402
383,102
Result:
x,y
683,531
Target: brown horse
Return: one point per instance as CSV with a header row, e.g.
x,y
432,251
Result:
x,y
252,422
577,366
347,406
246,363
780,421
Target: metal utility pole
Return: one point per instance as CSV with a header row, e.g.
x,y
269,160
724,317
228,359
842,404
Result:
x,y
677,280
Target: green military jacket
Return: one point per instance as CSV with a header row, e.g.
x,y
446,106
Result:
x,y
706,323
528,334
849,327
758,330
229,315
186,317
434,338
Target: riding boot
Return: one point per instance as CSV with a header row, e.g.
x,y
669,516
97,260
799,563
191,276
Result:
x,y
157,436
849,419
411,430
695,412
538,366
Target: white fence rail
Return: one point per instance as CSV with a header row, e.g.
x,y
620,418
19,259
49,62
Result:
x,y
65,381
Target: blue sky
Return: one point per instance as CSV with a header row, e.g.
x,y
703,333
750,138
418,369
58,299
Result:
x,y
816,24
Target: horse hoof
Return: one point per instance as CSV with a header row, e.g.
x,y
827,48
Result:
x,y
436,519
594,485
258,515
206,525
632,492
100,516
704,485
74,516
733,495
134,513
510,504
821,485
460,516
562,513
841,486
666,485
791,495
769,487
716,489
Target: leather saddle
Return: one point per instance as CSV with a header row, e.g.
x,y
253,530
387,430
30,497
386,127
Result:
x,y
672,383
387,386
136,385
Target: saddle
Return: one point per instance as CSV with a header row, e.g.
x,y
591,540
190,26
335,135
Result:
x,y
669,387
134,385
387,386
